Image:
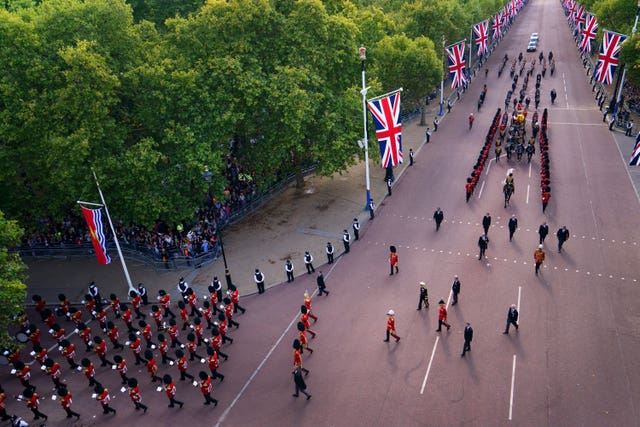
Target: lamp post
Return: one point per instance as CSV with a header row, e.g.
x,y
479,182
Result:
x,y
624,71
207,175
363,57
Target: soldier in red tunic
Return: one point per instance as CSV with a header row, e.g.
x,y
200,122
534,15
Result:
x,y
307,303
192,301
65,402
134,394
235,299
40,304
57,333
228,312
147,334
303,339
127,317
33,403
89,371
3,407
393,260
170,389
165,302
208,314
84,332
297,356
136,300
53,369
23,373
121,367
391,326
184,315
216,339
214,364
100,348
102,396
152,366
182,365
69,352
134,345
206,388
222,327
112,333
115,305
304,318
163,345
63,309
40,354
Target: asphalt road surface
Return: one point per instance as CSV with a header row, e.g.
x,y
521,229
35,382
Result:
x,y
572,362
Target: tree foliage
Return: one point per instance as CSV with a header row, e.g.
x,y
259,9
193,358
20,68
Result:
x,y
13,291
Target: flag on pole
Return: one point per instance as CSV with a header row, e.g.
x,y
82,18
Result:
x,y
589,32
497,26
572,9
457,63
608,57
579,18
96,229
388,123
482,36
514,10
635,157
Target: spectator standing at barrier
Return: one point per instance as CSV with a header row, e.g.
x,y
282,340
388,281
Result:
x,y
308,262
258,277
346,239
371,210
389,187
356,228
436,122
629,129
411,156
330,252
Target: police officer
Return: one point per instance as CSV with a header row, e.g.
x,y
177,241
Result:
x,y
330,252
388,186
217,288
410,156
346,239
183,286
356,228
288,267
438,216
513,225
259,279
308,262
95,294
142,291
371,210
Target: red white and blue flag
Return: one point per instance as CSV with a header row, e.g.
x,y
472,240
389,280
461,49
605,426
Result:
x,y
96,229
635,156
608,57
571,5
482,37
589,32
388,123
514,8
457,63
579,18
497,26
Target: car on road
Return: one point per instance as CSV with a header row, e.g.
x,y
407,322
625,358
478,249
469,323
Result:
x,y
534,37
532,47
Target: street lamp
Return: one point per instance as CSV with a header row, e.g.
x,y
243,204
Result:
x,y
363,57
207,175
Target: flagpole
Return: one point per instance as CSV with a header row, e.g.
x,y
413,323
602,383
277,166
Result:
x,y
363,57
115,236
624,70
441,112
470,47
375,98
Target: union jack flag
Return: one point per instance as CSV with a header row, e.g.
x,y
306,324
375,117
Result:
x,y
608,57
507,13
482,36
497,26
386,118
589,32
572,9
456,65
514,9
579,16
635,157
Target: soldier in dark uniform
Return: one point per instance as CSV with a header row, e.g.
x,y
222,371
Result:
x,y
259,279
424,296
288,267
438,216
483,242
330,251
486,223
513,225
346,239
356,228
455,288
543,231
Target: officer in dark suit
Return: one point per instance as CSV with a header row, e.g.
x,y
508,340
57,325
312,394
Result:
x,y
486,223
483,242
455,288
346,239
438,216
356,228
512,318
258,277
563,236
543,230
424,296
322,288
468,337
513,225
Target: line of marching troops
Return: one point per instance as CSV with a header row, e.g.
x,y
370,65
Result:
x,y
472,181
207,323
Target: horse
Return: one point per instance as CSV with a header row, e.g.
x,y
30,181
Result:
x,y
508,190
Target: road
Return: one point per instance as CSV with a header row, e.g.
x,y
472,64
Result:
x,y
572,360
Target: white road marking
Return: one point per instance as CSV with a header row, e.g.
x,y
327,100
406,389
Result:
x,y
529,170
513,380
528,188
433,353
481,187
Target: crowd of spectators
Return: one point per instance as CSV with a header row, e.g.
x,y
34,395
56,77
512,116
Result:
x,y
632,96
164,240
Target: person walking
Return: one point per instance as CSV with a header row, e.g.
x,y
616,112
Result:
x,y
468,337
206,387
322,287
346,239
486,223
563,236
543,230
300,385
134,395
102,396
391,326
483,243
538,257
388,186
330,252
424,296
234,294
513,226
393,259
170,390
442,316
512,319
258,277
438,216
65,402
288,268
356,228
308,262
33,403
455,289
297,356
411,156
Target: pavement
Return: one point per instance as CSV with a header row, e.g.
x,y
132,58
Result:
x,y
570,363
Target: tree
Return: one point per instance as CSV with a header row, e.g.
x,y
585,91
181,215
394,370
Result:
x,y
630,56
13,291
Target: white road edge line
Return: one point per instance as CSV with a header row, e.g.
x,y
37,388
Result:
x,y
481,188
433,352
513,380
528,188
264,360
